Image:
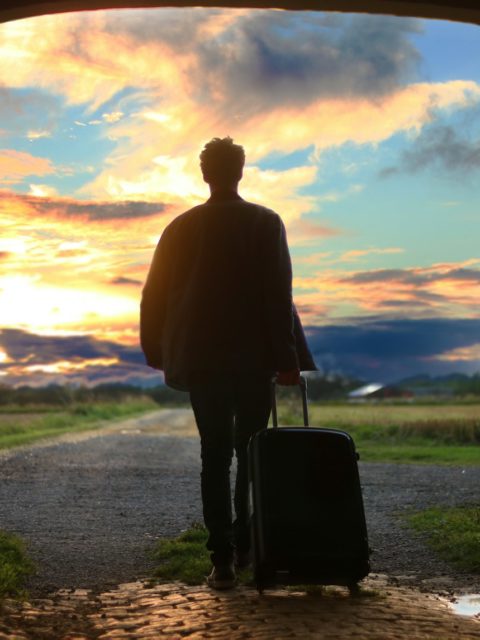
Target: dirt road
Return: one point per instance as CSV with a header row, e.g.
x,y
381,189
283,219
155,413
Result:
x,y
91,505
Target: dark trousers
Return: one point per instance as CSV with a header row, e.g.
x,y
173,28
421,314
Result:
x,y
228,410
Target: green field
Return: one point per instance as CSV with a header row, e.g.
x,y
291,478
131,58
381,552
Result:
x,y
21,425
435,433
422,433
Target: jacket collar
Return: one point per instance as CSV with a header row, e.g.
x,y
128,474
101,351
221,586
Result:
x,y
224,196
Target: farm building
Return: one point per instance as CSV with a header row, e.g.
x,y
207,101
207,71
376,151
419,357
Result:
x,y
377,391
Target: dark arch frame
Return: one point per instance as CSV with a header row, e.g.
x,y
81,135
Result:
x,y
459,10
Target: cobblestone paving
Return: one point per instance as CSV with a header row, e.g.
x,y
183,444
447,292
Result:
x,y
175,611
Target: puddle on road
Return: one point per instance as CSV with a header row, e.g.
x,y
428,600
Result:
x,y
468,605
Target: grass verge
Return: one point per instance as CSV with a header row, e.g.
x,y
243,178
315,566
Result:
x,y
453,533
185,558
436,434
15,565
23,428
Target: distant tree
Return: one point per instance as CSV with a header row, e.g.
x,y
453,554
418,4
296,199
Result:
x,y
468,386
6,394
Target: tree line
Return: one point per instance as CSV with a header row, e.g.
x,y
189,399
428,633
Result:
x,y
320,387
64,395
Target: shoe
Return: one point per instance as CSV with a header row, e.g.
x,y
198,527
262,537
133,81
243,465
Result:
x,y
222,577
242,559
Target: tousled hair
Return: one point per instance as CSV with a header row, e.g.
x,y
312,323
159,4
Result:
x,y
222,161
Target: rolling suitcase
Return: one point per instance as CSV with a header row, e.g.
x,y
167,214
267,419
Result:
x,y
306,509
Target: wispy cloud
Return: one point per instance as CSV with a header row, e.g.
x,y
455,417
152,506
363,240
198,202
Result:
x,y
122,280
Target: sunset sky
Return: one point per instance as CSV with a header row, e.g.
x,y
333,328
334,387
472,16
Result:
x,y
362,132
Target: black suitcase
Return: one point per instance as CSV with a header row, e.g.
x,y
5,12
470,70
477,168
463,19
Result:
x,y
306,509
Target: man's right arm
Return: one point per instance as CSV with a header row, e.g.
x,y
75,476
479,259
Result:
x,y
154,305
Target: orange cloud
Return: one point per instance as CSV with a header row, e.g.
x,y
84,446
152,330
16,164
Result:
x,y
354,254
15,165
470,353
308,232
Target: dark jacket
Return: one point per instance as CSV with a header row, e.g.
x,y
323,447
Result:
x,y
218,296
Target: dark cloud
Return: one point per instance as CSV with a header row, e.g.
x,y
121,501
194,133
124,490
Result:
x,y
96,211
442,148
372,348
407,304
387,350
121,280
266,59
413,277
32,349
29,349
445,147
276,59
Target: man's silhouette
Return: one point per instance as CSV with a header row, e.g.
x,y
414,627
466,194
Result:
x,y
217,317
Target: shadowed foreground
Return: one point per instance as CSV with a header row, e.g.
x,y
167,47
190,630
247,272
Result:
x,y
174,611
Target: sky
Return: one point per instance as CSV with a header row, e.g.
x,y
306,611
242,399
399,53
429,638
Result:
x,y
362,132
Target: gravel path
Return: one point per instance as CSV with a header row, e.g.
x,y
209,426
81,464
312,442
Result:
x,y
91,505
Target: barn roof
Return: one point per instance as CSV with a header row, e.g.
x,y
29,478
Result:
x,y
366,390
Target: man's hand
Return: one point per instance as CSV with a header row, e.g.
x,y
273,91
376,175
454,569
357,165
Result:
x,y
288,378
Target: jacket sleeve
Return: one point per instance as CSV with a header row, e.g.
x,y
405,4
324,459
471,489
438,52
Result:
x,y
278,296
304,355
154,305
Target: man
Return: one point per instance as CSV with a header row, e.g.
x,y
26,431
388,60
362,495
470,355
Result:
x,y
217,317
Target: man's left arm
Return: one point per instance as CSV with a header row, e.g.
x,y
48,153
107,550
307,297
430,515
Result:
x,y
279,305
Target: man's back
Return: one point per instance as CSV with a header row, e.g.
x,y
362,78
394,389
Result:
x,y
228,289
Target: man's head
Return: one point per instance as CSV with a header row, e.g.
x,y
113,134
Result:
x,y
222,163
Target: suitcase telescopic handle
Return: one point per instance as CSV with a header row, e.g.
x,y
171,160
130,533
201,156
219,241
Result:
x,y
303,390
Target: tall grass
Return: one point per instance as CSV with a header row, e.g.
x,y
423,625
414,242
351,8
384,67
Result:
x,y
445,433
